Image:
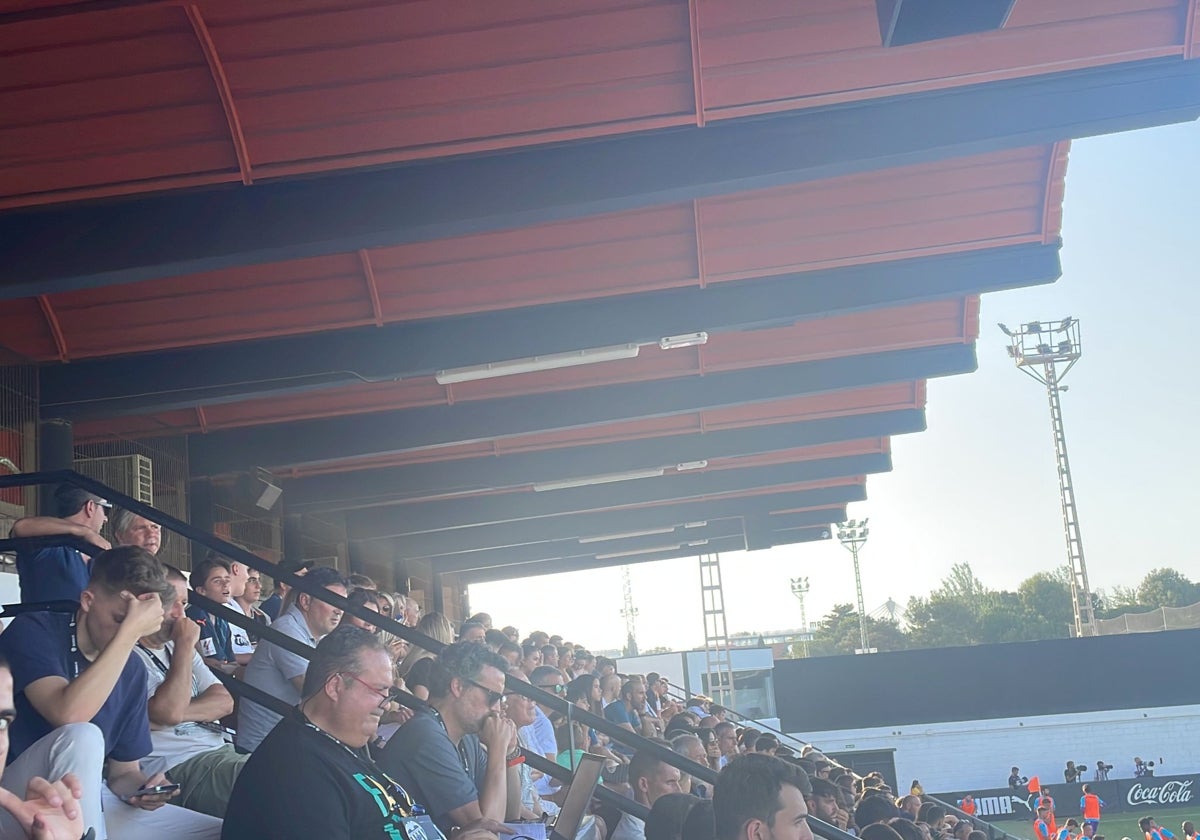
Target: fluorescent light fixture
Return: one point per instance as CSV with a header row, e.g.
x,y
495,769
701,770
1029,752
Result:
x,y
699,524
671,342
627,535
588,480
632,552
553,361
691,465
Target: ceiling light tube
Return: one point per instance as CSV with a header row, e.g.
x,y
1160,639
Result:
x,y
671,342
531,364
588,480
699,524
691,465
632,552
651,532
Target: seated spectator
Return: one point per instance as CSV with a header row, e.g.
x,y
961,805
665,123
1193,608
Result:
x,y
699,823
908,829
879,831
766,744
876,808
130,529
247,602
650,778
668,815
437,627
472,631
585,664
931,814
211,578
357,581
692,748
34,806
495,640
482,619
368,599
184,701
440,754
273,606
512,654
566,660
75,668
727,743
541,736
60,574
759,797
313,776
717,711
626,711
513,634
531,657
910,806
605,666
280,672
823,803
610,690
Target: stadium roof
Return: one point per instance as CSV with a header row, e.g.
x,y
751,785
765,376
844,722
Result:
x,y
282,228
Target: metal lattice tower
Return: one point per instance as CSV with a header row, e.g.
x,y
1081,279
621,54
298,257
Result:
x,y
800,589
853,535
1038,348
717,661
629,613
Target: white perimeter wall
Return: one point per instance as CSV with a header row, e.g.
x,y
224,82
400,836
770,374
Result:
x,y
978,754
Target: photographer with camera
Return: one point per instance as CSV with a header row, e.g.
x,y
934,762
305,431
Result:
x,y
1101,772
1016,781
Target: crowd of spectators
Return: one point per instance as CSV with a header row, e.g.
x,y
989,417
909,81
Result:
x,y
117,716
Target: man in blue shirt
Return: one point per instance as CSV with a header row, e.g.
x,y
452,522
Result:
x,y
60,574
77,668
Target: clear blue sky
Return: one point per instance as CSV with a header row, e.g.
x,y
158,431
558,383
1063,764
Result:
x,y
979,485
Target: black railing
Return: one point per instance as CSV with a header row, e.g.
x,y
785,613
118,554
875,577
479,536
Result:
x,y
300,583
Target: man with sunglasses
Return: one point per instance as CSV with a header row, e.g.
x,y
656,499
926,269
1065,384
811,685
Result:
x,y
540,734
313,775
457,757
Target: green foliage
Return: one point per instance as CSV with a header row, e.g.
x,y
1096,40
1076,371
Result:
x,y
1167,588
838,632
962,610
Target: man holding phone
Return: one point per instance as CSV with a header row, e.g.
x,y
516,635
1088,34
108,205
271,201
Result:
x,y
79,668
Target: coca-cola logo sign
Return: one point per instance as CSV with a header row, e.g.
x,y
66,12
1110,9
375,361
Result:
x,y
1176,792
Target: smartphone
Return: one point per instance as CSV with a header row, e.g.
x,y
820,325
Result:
x,y
157,790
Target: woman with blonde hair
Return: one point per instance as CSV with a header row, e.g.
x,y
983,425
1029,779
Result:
x,y
437,627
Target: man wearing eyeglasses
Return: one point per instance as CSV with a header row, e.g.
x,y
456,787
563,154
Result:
x,y
314,775
60,573
457,757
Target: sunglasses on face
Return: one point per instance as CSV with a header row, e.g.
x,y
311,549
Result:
x,y
554,688
493,697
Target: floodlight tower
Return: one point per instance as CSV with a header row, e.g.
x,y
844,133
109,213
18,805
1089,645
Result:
x,y
1039,348
629,613
800,589
853,535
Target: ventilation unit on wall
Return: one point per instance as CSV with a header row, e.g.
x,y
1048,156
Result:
x,y
132,475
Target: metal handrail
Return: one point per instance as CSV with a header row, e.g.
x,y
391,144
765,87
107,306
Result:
x,y
660,750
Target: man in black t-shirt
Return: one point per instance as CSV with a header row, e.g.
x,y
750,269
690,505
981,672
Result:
x,y
313,776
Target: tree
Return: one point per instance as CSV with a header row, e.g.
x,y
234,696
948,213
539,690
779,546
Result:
x,y
941,621
838,633
1167,588
962,585
1046,597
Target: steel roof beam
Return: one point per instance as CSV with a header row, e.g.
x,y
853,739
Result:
x,y
473,511
575,564
377,524
218,228
163,381
337,438
339,491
